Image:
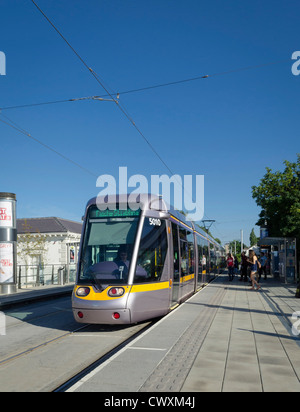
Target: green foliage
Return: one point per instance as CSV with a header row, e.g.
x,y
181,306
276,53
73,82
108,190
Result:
x,y
31,245
253,238
279,197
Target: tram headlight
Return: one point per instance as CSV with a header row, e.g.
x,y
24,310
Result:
x,y
116,292
82,292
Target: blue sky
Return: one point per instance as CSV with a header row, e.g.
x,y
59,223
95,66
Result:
x,y
227,127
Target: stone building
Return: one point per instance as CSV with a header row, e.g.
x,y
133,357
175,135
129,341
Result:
x,y
47,250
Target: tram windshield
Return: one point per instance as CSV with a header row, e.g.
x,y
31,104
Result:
x,y
107,246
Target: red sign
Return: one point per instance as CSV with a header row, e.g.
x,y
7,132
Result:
x,y
6,262
4,215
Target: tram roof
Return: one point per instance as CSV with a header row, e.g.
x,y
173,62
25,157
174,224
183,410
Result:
x,y
150,202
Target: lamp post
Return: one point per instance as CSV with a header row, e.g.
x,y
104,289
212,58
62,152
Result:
x,y
207,224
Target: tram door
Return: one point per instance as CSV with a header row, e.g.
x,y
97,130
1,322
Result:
x,y
176,260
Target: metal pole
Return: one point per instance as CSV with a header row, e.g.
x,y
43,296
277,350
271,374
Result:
x,y
297,274
242,240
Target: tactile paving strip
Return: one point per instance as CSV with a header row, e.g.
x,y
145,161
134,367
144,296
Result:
x,y
170,374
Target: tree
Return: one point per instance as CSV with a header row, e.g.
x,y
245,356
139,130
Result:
x,y
253,238
31,245
279,197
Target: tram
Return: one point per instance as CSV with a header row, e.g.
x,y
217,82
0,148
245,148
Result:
x,y
139,262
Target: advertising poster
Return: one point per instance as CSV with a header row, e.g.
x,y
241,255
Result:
x,y
6,263
72,254
6,218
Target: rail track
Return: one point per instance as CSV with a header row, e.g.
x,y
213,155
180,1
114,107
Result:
x,y
45,350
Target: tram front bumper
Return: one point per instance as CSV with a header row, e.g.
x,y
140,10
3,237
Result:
x,y
102,316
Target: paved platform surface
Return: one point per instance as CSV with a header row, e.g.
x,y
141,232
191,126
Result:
x,y
226,338
23,296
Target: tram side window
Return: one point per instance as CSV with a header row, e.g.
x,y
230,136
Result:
x,y
190,239
200,256
152,251
205,259
176,251
184,252
213,263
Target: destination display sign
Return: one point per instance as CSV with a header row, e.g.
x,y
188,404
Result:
x,y
96,213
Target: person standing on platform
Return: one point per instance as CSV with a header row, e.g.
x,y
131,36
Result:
x,y
254,265
230,266
236,265
244,267
263,268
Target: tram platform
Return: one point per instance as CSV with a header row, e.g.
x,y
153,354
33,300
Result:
x,y
38,293
226,338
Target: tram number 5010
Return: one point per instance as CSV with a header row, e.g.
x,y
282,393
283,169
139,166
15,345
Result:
x,y
154,222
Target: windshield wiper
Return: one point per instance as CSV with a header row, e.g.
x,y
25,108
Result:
x,y
92,277
98,284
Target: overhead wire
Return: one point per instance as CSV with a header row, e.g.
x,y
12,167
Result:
x,y
93,73
15,126
206,76
76,99
141,89
111,95
124,111
100,82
